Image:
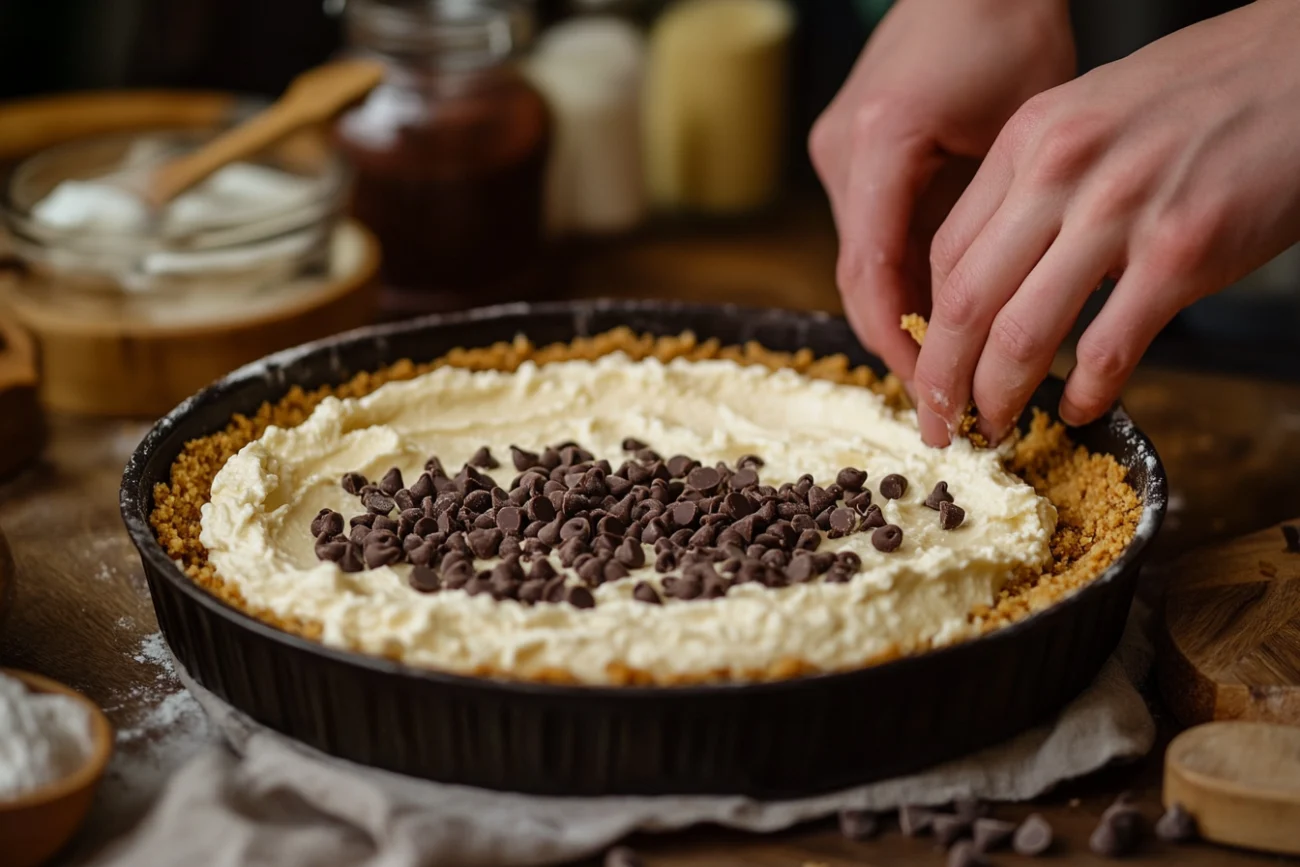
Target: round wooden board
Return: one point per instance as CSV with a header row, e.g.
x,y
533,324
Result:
x,y
125,366
1241,781
1230,647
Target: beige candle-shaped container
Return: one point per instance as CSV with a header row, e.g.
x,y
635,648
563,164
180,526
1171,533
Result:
x,y
715,104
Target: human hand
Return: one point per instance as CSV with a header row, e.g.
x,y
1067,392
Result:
x,y
1176,169
901,139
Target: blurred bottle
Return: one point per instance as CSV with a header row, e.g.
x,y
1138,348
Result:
x,y
449,152
715,116
590,70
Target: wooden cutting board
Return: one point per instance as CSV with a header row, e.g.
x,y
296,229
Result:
x,y
1230,647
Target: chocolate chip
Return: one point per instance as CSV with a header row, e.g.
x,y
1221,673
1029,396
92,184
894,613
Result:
x,y
424,579
531,591
352,561
851,562
893,486
704,479
851,479
391,483
483,458
1291,533
591,570
859,502
844,520
964,854
746,477
571,549
540,509
615,571
680,465
686,587
1033,837
913,820
509,519
951,515
327,523
423,554
887,538
484,543
376,503
859,824
575,528
332,551
354,482
541,570
938,496
622,856
580,597
367,519
555,589
647,455
802,568
644,592
456,573
630,554
523,459
1117,833
665,562
379,555
808,540
632,444
824,520
681,538
1176,825
819,500
803,523
991,834
949,828
873,518
775,558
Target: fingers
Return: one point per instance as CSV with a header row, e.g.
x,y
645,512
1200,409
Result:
x,y
993,267
1142,304
978,202
1027,331
889,171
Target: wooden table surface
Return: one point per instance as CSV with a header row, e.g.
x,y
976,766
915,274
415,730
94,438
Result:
x,y
83,615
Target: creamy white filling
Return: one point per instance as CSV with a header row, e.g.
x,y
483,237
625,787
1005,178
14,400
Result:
x,y
256,526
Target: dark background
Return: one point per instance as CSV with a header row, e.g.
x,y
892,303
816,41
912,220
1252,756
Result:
x,y
257,46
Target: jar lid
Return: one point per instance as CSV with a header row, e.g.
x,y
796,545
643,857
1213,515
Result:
x,y
449,34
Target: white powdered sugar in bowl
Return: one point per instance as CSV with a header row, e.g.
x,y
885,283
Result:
x,y
44,738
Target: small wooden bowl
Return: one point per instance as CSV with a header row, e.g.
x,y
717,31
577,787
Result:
x,y
40,823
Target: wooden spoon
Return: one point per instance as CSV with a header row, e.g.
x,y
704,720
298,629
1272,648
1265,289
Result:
x,y
314,96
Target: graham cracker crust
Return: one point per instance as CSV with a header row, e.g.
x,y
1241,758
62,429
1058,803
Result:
x,y
1097,510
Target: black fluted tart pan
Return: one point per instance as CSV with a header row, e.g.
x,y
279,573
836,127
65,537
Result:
x,y
769,740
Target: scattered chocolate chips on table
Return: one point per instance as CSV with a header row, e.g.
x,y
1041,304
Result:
x,y
859,824
622,856
1033,837
711,527
991,834
1118,831
948,828
964,854
1176,825
915,821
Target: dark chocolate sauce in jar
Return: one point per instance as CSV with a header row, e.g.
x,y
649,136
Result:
x,y
448,153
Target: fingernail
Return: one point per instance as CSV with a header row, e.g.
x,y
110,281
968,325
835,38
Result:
x,y
1071,414
934,429
993,433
